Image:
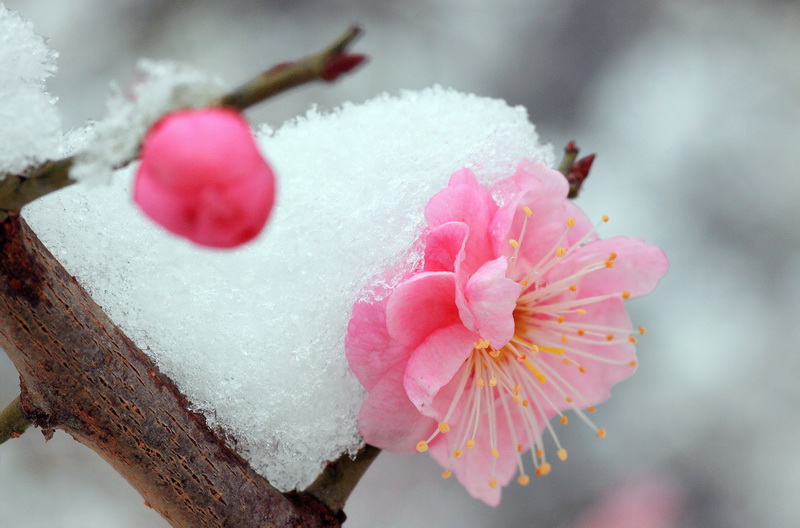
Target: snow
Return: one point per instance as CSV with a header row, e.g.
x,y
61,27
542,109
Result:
x,y
114,140
31,126
255,336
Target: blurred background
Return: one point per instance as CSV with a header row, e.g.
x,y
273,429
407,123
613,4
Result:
x,y
694,110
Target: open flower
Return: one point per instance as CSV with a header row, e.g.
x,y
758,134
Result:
x,y
202,177
515,315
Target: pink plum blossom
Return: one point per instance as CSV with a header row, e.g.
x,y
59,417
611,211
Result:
x,y
202,177
514,315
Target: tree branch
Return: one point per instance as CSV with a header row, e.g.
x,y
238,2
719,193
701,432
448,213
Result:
x,y
13,421
79,372
327,65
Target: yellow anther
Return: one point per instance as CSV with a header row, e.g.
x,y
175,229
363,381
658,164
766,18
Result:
x,y
573,288
517,387
612,256
626,294
516,398
527,211
566,361
540,453
632,339
544,469
494,353
569,400
633,363
560,319
522,357
534,349
570,222
562,454
524,403
581,369
601,433
444,427
519,448
458,453
581,331
493,382
447,474
560,252
580,311
492,482
610,337
609,264
470,443
564,338
481,383
422,446
591,409
523,283
514,243
605,218
524,480
642,330
495,452
564,420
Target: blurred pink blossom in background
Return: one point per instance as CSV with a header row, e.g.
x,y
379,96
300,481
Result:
x,y
202,177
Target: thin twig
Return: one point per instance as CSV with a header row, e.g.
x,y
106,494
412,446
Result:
x,y
327,65
339,478
13,421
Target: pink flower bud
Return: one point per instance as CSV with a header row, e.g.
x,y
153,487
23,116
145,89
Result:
x,y
202,177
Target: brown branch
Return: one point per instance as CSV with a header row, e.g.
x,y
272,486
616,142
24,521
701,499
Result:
x,y
327,65
13,421
338,480
79,372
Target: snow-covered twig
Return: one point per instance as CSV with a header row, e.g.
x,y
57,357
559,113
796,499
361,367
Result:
x,y
327,65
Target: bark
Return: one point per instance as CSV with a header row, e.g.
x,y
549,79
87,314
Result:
x,y
79,372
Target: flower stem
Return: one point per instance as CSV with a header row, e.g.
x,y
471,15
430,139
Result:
x,y
13,421
338,480
326,65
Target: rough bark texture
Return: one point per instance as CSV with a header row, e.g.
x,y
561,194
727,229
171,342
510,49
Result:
x,y
79,372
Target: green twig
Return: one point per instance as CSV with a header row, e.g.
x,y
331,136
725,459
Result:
x,y
13,421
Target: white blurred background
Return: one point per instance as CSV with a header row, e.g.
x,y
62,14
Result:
x,y
694,110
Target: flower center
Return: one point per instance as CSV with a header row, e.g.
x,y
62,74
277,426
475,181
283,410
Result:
x,y
505,396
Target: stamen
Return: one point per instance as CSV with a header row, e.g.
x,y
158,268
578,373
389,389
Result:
x,y
524,480
444,427
447,474
562,454
422,446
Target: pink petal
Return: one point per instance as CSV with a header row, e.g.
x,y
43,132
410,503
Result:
x,y
594,385
434,363
421,305
467,201
477,466
389,420
490,297
544,227
444,245
370,350
636,269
